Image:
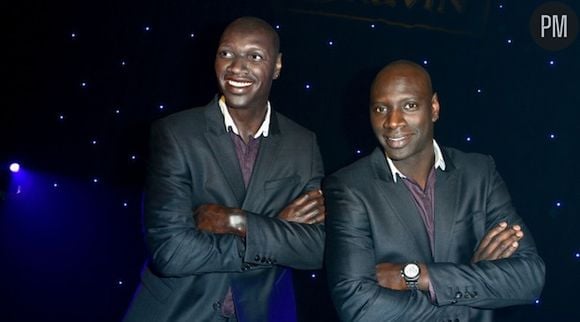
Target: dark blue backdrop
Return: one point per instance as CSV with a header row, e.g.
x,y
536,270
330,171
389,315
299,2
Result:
x,y
83,81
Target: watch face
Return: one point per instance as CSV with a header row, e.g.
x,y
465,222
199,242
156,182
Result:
x,y
411,270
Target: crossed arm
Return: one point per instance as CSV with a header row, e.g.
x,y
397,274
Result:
x,y
294,238
500,242
306,209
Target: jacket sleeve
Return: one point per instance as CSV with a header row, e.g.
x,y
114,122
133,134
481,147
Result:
x,y
271,241
518,279
176,247
350,264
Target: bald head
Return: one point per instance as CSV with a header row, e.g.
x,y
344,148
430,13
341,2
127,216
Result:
x,y
404,69
253,24
403,110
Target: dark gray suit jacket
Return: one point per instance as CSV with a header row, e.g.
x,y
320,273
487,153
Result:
x,y
372,219
193,162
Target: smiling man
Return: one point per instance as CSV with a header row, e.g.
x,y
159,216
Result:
x,y
418,232
232,199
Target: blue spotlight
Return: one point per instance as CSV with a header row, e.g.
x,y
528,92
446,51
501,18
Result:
x,y
14,167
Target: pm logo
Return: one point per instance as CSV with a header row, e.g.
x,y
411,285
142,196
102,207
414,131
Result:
x,y
558,25
554,26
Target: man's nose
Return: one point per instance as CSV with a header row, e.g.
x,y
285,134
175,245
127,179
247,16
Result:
x,y
394,119
237,65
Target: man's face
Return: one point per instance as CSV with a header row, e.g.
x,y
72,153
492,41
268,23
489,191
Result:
x,y
245,65
402,112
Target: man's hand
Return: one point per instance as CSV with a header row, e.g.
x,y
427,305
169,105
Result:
x,y
500,242
389,276
218,219
306,209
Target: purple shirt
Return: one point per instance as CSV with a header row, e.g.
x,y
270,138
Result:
x,y
247,154
425,202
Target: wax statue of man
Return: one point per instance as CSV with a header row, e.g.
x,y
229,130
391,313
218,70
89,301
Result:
x,y
233,198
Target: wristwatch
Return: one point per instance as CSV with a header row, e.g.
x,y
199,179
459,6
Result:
x,y
411,273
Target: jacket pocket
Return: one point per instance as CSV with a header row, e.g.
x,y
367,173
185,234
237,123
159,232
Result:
x,y
156,286
281,182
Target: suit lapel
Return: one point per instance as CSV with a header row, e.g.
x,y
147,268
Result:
x,y
400,202
447,196
267,160
223,150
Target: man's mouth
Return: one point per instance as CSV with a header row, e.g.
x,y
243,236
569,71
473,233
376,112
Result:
x,y
239,84
397,141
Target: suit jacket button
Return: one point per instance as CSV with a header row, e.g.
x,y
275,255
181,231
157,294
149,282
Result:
x,y
257,258
217,306
458,295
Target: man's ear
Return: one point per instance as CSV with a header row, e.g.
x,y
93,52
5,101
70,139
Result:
x,y
434,108
278,67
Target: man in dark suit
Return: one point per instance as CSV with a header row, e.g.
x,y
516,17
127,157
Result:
x,y
252,177
416,232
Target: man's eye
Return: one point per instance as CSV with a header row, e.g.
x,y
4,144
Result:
x,y
380,109
225,54
256,57
411,106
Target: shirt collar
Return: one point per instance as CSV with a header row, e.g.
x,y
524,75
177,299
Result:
x,y
439,162
231,125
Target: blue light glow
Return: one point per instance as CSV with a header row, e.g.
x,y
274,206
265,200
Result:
x,y
14,167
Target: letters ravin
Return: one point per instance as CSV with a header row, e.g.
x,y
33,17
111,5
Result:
x,y
449,16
